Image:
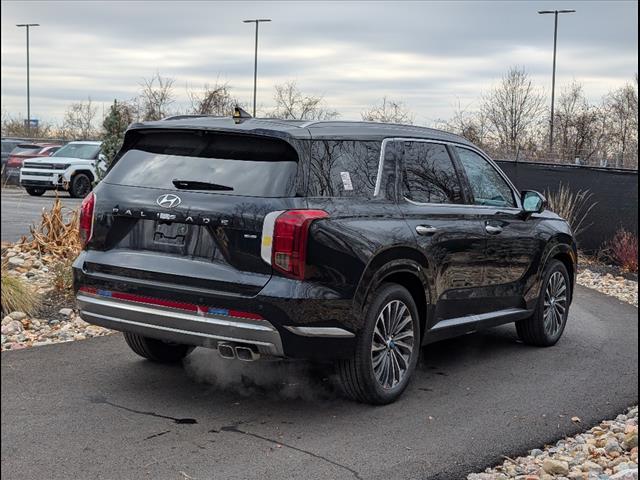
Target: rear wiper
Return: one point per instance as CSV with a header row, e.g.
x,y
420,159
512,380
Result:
x,y
195,185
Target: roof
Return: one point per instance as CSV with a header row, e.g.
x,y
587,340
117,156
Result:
x,y
302,129
86,142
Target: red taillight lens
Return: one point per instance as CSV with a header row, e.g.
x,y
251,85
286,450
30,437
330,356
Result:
x,y
86,218
290,233
14,162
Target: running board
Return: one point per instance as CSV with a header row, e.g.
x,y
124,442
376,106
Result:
x,y
453,327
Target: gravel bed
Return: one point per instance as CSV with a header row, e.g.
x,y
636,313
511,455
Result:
x,y
608,451
55,319
616,286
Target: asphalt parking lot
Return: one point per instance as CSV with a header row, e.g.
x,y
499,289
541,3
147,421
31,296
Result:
x,y
20,211
92,409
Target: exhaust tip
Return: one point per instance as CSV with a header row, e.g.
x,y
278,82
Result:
x,y
226,351
246,354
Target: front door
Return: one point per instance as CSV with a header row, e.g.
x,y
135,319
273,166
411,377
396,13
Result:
x,y
512,246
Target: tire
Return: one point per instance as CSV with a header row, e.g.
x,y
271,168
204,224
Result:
x,y
360,378
556,290
35,191
80,185
157,350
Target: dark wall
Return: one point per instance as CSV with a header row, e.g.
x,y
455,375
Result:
x,y
615,191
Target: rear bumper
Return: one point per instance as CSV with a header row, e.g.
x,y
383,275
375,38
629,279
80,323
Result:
x,y
176,326
298,321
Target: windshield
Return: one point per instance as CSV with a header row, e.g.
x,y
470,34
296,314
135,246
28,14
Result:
x,y
85,151
26,148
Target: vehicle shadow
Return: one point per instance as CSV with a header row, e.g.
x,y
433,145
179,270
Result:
x,y
206,379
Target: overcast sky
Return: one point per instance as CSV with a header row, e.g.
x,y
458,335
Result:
x,y
428,54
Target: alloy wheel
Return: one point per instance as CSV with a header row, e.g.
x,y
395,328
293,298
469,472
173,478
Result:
x,y
555,304
392,344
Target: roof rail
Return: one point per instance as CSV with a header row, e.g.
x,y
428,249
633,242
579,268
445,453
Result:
x,y
194,115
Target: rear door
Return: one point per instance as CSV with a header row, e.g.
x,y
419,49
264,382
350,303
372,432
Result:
x,y
446,230
187,209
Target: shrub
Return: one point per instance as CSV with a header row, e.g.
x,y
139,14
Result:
x,y
16,295
54,235
622,249
62,275
573,207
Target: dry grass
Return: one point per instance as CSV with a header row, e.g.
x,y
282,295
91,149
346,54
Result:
x,y
16,295
573,207
63,275
54,235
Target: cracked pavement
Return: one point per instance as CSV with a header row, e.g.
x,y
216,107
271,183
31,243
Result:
x,y
93,409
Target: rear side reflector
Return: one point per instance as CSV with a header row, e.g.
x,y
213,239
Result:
x,y
189,307
289,244
86,218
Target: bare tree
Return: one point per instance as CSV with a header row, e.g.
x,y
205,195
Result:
x,y
578,126
78,121
292,104
513,109
17,127
389,111
213,99
621,110
156,96
472,125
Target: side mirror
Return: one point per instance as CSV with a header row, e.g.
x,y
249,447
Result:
x,y
533,202
102,157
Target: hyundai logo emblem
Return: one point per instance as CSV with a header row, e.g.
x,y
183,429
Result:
x,y
168,200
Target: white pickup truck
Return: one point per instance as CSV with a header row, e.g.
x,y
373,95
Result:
x,y
72,168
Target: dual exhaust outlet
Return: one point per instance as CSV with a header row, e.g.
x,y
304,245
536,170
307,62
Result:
x,y
246,353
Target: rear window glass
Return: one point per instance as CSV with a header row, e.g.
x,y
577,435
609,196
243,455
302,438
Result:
x,y
208,162
26,148
343,168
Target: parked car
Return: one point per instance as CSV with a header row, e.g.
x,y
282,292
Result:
x,y
23,152
8,144
351,242
71,168
19,147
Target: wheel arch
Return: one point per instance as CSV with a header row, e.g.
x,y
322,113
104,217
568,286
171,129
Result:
x,y
565,253
401,265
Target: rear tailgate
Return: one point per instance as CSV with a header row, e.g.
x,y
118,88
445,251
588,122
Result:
x,y
185,210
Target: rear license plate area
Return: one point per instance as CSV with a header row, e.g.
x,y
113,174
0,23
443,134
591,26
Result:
x,y
174,234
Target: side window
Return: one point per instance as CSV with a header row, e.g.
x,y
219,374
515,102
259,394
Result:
x,y
428,174
487,186
343,168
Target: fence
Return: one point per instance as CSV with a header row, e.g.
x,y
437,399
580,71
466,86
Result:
x,y
580,157
614,191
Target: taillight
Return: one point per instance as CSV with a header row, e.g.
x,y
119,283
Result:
x,y
14,162
86,218
289,241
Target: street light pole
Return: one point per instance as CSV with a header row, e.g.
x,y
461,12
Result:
x,y
255,61
28,25
553,78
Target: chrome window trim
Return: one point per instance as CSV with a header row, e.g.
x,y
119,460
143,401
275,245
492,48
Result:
x,y
514,190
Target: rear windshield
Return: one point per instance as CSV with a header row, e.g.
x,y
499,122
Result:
x,y
26,148
209,162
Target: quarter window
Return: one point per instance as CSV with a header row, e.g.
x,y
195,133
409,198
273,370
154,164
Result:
x,y
428,174
487,185
343,168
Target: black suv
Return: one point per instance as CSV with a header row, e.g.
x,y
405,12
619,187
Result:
x,y
345,241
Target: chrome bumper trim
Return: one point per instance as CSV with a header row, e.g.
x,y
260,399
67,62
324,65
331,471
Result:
x,y
333,332
178,326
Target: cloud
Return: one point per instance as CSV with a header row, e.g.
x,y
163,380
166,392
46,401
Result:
x,y
428,54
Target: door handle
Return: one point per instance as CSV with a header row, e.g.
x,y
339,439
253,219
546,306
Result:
x,y
426,230
492,229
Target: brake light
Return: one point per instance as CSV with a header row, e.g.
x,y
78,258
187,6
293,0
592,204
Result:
x,y
86,218
289,245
